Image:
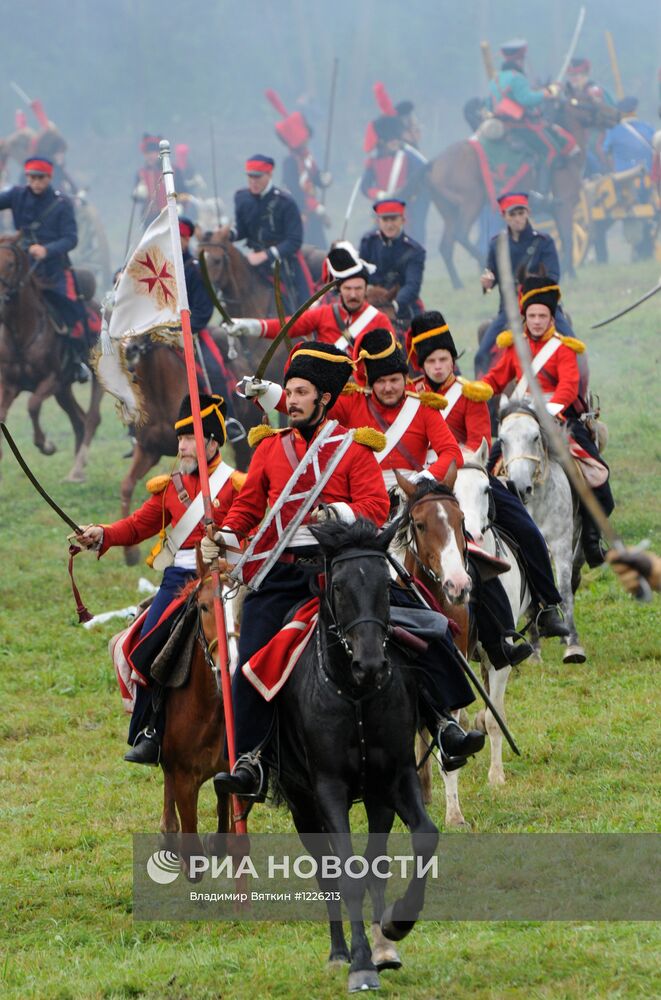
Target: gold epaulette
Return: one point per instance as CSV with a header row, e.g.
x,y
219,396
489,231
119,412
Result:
x,y
477,391
573,343
261,431
505,339
434,400
237,479
370,437
157,483
352,387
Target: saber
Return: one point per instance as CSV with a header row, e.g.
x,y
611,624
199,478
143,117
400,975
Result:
x,y
264,363
352,202
213,172
211,291
35,482
468,670
615,68
329,126
572,45
628,309
487,60
547,422
277,293
21,93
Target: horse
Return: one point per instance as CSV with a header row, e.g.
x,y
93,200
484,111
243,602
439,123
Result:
x,y
456,184
473,493
542,484
194,738
431,539
33,357
347,720
241,290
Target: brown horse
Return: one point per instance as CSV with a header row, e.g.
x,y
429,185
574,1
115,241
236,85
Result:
x,y
194,738
239,287
382,298
457,188
33,357
431,538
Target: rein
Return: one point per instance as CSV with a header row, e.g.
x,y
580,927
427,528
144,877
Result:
x,y
413,540
540,461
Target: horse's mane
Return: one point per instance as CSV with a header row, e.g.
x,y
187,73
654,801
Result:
x,y
362,534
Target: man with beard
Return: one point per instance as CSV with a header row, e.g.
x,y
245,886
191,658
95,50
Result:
x,y
173,496
339,322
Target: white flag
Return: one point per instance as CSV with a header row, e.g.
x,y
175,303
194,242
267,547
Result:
x,y
145,302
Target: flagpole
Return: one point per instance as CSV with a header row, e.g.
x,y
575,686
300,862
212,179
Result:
x,y
189,355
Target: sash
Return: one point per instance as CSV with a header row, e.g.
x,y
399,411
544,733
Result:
x,y
353,330
395,171
453,395
538,362
397,429
175,537
641,138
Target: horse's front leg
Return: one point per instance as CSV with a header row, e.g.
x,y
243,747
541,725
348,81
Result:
x,y
454,817
8,394
497,685
399,918
333,804
35,402
380,820
91,421
562,555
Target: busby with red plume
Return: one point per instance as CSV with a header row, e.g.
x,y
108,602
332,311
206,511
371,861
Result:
x,y
293,130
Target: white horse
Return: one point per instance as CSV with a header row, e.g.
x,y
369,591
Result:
x,y
472,491
544,488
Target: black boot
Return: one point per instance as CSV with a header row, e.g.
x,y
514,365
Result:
x,y
550,624
146,749
591,542
247,780
456,745
502,653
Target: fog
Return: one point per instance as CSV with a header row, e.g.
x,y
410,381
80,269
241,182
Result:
x,y
108,70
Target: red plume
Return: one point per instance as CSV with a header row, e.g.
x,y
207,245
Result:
x,y
273,99
21,118
371,138
39,113
383,99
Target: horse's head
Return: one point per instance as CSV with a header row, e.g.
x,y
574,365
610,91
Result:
x,y
216,246
524,447
13,268
473,491
356,601
433,527
588,113
382,298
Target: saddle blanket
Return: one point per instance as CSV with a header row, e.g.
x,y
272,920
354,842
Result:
x,y
268,668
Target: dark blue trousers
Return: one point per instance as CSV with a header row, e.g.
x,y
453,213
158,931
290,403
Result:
x,y
173,580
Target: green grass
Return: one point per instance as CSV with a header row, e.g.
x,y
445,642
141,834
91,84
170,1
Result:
x,y
69,805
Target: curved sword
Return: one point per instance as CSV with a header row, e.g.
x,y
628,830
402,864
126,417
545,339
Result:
x,y
623,312
572,45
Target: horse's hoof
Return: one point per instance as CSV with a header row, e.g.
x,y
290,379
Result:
x,y
75,477
338,960
456,823
574,654
132,556
47,448
395,930
385,957
364,979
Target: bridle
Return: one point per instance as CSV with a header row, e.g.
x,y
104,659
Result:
x,y
335,628
541,462
9,289
208,648
413,539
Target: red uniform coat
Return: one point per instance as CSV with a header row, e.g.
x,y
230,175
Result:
x,y
356,481
559,377
426,430
321,323
164,507
468,420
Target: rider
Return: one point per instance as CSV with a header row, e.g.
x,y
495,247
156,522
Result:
x,y
149,189
395,169
531,252
268,219
559,377
518,104
302,177
201,310
580,87
338,322
48,231
432,348
314,378
399,260
172,496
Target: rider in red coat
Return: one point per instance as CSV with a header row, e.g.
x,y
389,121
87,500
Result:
x,y
338,322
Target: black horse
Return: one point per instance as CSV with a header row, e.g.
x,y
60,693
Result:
x,y
347,725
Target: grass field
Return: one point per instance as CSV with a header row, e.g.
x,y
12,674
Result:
x,y
69,805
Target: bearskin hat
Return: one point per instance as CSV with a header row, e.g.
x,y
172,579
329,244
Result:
x,y
212,411
380,353
325,365
428,333
343,263
538,290
388,127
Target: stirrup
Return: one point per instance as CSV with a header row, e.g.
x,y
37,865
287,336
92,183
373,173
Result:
x,y
448,763
249,762
150,735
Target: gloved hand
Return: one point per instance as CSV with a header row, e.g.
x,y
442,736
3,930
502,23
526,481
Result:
x,y
553,90
631,564
210,548
243,328
425,474
140,192
325,178
250,388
